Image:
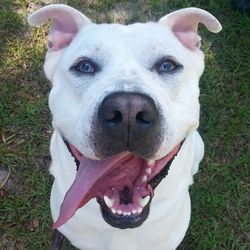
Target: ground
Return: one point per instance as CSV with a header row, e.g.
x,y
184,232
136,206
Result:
x,y
220,195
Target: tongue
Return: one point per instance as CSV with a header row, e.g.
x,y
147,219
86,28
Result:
x,y
94,177
85,185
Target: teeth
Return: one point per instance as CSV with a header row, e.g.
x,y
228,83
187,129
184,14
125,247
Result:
x,y
109,202
148,170
139,210
151,163
113,210
126,213
125,210
144,178
144,201
134,211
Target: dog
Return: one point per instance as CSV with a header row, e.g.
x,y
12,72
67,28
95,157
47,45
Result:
x,y
125,109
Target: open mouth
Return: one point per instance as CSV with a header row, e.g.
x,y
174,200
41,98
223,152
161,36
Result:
x,y
123,186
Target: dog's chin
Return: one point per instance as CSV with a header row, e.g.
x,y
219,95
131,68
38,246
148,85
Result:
x,y
128,206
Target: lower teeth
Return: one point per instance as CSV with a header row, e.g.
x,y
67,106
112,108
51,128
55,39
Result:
x,y
126,210
144,201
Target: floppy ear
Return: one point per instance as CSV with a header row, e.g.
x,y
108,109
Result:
x,y
66,22
184,23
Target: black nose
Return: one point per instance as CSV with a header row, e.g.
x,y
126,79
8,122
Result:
x,y
128,121
132,110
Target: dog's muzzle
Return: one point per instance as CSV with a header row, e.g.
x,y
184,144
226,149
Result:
x,y
127,122
127,132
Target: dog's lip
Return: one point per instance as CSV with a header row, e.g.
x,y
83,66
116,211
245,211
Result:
x,y
89,178
77,155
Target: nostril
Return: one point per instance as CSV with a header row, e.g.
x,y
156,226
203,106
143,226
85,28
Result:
x,y
143,118
114,117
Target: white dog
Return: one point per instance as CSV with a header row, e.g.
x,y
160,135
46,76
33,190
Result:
x,y
125,108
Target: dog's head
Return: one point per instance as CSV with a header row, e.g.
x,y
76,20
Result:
x,y
123,98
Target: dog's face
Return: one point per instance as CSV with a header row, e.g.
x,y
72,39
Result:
x,y
112,72
123,98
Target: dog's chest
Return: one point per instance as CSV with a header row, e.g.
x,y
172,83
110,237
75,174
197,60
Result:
x,y
87,230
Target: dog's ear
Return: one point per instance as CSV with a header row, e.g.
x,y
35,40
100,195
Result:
x,y
65,23
184,23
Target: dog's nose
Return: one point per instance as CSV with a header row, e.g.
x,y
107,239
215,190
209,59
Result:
x,y
130,109
128,116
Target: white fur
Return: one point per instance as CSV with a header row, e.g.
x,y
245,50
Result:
x,y
176,94
126,54
169,213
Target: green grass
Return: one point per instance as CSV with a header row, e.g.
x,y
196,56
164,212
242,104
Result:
x,y
220,195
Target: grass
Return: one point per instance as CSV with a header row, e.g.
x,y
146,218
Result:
x,y
220,195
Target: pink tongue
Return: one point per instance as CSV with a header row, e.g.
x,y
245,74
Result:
x,y
93,178
85,185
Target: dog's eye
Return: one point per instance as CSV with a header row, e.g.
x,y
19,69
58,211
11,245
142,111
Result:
x,y
85,67
166,67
